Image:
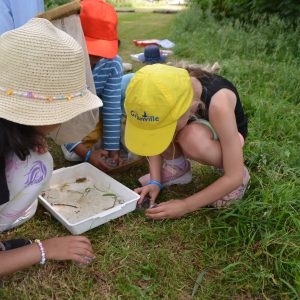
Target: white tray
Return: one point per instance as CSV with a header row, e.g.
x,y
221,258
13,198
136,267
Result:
x,y
88,171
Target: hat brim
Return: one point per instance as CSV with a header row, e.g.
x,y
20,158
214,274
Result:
x,y
35,112
148,142
158,60
103,48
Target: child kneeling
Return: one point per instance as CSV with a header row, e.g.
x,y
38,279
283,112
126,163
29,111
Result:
x,y
174,114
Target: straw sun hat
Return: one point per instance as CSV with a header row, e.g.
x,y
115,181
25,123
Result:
x,y
42,76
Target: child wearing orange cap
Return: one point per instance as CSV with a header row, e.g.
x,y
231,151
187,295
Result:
x,y
176,113
99,22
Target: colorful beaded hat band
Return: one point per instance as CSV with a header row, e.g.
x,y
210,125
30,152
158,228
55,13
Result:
x,y
32,95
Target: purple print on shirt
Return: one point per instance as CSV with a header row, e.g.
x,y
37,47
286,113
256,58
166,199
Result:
x,y
36,174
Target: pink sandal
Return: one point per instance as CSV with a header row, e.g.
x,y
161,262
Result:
x,y
172,174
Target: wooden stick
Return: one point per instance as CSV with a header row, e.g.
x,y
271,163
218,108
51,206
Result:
x,y
62,11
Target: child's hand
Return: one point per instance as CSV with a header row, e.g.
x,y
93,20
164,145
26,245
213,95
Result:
x,y
171,209
151,189
97,161
76,248
42,148
115,156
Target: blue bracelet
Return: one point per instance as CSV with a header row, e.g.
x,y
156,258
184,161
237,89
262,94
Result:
x,y
88,155
157,183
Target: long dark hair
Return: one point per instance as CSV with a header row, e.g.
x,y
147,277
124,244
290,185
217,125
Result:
x,y
14,139
17,138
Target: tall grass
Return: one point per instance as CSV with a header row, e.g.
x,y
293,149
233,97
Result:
x,y
244,9
247,251
259,239
54,3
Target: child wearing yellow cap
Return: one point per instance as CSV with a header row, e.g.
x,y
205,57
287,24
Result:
x,y
175,114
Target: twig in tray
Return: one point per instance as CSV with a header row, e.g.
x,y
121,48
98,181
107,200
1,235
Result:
x,y
64,204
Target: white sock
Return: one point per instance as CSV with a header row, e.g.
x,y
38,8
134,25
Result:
x,y
179,161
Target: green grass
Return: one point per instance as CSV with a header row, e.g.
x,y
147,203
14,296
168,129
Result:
x,y
49,4
133,4
262,233
248,251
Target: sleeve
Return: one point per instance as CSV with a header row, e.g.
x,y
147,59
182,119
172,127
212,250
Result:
x,y
70,147
26,180
22,13
111,110
124,84
6,19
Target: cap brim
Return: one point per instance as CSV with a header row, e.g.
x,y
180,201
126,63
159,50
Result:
x,y
103,48
43,112
148,142
141,58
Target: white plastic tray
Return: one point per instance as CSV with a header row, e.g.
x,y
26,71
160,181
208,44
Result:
x,y
86,170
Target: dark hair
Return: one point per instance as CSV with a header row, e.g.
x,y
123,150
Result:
x,y
199,71
18,139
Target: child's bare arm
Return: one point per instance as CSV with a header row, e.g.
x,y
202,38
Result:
x,y
223,121
76,248
155,166
94,158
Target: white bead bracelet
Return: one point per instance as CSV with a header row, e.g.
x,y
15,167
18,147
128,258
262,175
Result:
x,y
43,253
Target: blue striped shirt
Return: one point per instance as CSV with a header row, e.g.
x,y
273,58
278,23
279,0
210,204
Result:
x,y
107,78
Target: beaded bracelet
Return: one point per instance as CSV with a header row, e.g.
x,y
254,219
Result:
x,y
156,183
43,253
88,155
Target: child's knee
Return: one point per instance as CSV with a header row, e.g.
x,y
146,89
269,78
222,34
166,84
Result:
x,y
195,140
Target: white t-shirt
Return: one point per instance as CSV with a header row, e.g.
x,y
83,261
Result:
x,y
26,180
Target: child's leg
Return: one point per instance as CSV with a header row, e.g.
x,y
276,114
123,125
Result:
x,y
91,141
26,180
176,168
173,151
197,143
94,138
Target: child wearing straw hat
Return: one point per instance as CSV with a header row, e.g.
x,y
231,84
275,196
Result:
x,y
42,84
160,101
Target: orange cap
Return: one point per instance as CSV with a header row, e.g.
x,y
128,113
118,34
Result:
x,y
99,22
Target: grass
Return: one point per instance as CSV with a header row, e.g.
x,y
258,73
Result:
x,y
248,251
261,234
120,4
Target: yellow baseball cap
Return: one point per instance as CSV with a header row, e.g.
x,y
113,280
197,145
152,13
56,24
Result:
x,y
156,97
